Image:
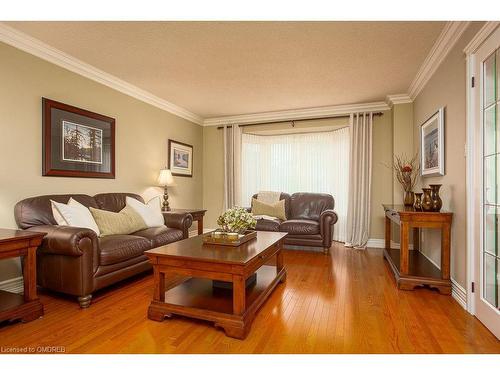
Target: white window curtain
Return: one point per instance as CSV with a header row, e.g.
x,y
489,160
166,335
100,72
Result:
x,y
358,217
232,166
308,162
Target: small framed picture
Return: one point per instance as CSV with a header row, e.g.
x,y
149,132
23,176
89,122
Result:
x,y
180,158
432,145
77,142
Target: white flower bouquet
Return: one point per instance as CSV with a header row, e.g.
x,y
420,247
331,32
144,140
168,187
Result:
x,y
236,220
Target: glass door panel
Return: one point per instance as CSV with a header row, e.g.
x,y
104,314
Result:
x,y
491,180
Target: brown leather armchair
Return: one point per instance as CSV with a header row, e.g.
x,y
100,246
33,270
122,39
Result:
x,y
309,223
77,262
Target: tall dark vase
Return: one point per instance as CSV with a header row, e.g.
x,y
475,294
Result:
x,y
426,200
437,203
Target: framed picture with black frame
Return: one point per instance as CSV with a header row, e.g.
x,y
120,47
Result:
x,y
432,145
180,158
77,142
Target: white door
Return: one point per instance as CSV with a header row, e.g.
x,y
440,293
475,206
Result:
x,y
487,192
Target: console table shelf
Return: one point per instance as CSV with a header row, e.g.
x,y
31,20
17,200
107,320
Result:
x,y
20,243
412,268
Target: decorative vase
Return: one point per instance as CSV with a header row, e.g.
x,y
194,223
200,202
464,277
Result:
x,y
409,198
418,202
426,200
437,203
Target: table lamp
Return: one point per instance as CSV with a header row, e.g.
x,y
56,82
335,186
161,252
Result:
x,y
165,179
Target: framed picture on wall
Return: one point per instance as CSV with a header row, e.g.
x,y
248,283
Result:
x,y
180,158
432,145
77,142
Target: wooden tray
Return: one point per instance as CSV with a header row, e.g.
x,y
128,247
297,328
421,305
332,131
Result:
x,y
208,239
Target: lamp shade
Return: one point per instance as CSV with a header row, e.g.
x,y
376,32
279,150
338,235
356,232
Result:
x,y
165,178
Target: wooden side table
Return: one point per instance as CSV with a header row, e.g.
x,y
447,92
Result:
x,y
21,243
196,213
412,268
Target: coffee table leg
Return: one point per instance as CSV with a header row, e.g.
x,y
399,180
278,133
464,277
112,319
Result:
x,y
279,263
239,295
155,312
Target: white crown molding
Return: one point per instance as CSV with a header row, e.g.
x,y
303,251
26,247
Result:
x,y
37,48
391,100
444,43
295,114
480,37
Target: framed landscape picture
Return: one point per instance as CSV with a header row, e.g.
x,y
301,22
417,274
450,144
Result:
x,y
180,158
432,145
77,142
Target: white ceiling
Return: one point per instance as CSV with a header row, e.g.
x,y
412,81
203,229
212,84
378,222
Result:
x,y
228,68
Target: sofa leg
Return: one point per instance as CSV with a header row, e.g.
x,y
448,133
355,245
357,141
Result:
x,y
326,250
84,301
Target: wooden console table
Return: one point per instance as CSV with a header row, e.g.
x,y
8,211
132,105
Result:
x,y
21,243
196,213
412,268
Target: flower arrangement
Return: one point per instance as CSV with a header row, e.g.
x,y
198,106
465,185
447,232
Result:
x,y
236,220
407,171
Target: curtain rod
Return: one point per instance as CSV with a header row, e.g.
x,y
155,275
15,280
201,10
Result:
x,y
298,120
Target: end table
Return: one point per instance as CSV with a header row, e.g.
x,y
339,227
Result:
x,y
196,213
21,243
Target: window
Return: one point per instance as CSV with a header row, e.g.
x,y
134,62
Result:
x,y
308,162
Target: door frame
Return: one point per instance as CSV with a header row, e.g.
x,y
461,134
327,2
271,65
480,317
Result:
x,y
471,150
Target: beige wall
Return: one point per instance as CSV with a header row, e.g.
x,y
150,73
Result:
x,y
447,89
141,139
213,182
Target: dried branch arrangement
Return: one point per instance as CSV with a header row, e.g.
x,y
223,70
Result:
x,y
407,171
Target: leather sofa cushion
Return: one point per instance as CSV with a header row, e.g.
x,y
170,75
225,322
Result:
x,y
160,236
268,225
114,201
120,247
309,206
300,227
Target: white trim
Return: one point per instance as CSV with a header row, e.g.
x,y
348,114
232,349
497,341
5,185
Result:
x,y
459,293
391,100
469,180
37,48
444,43
295,114
15,285
377,243
480,37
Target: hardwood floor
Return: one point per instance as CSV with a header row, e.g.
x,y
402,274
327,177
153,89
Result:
x,y
343,303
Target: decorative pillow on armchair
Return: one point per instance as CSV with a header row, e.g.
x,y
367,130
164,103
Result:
x,y
276,210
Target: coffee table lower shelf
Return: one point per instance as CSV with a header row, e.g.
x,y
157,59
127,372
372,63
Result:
x,y
197,298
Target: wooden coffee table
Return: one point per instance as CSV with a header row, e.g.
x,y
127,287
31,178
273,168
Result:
x,y
183,274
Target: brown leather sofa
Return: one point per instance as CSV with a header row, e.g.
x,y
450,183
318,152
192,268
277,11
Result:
x,y
77,262
309,220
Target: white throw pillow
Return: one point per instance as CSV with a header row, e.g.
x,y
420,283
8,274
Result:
x,y
74,214
150,212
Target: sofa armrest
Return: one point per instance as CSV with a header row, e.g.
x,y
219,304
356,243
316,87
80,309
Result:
x,y
177,220
326,221
65,240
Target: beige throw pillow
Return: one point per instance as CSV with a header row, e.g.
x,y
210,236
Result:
x,y
276,209
124,222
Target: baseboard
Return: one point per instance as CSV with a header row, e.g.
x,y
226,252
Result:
x,y
15,285
458,292
379,243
